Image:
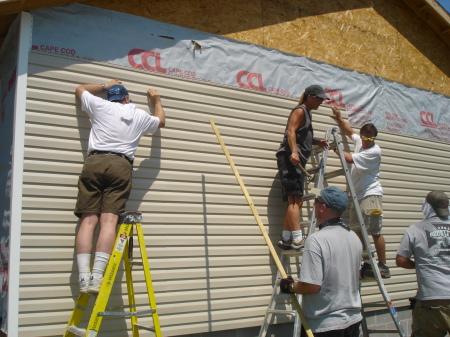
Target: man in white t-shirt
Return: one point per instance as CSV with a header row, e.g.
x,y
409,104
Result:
x,y
365,174
105,181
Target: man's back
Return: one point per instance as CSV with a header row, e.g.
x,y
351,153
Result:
x,y
116,127
331,259
429,242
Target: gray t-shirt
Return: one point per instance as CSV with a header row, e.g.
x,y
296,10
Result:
x,y
429,242
331,259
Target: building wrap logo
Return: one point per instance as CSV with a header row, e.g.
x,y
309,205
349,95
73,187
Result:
x,y
427,119
145,59
245,79
336,98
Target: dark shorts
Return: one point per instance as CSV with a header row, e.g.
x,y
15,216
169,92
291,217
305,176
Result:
x,y
104,185
291,177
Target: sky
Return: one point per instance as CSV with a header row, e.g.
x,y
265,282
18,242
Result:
x,y
445,4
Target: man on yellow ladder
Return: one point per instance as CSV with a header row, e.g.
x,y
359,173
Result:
x,y
105,181
365,173
329,279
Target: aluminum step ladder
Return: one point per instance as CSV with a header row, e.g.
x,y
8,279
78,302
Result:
x,y
123,248
386,303
317,175
271,311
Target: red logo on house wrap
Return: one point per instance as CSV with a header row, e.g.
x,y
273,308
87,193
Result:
x,y
248,80
336,98
146,59
427,119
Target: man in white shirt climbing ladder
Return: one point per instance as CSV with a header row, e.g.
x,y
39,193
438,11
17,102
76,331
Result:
x,y
365,174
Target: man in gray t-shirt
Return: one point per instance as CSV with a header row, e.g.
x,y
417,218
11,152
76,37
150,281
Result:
x,y
329,275
429,242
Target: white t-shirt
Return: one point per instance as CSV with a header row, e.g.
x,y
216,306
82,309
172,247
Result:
x,y
331,259
116,127
365,171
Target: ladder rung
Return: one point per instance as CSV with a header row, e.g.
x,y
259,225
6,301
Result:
x,y
292,252
144,327
382,331
308,196
126,314
333,174
375,305
76,331
281,312
313,169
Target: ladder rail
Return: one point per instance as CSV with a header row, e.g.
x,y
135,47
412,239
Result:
x,y
122,250
365,236
320,180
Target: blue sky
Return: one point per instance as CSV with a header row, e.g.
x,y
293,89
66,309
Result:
x,y
445,4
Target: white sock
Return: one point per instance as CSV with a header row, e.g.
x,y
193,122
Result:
x,y
84,266
286,235
100,263
297,235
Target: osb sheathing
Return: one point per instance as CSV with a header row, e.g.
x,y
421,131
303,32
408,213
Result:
x,y
379,37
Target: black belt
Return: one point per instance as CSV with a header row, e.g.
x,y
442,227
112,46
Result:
x,y
112,154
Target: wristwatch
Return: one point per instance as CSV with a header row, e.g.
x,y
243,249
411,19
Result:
x,y
291,287
103,86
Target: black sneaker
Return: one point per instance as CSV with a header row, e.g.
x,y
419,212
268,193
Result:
x,y
366,270
285,244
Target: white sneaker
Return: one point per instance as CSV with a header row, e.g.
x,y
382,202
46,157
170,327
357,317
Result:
x,y
298,244
84,285
94,284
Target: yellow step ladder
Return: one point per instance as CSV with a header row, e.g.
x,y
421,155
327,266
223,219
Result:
x,y
123,247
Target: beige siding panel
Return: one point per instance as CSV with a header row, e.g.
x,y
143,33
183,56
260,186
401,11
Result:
x,y
203,243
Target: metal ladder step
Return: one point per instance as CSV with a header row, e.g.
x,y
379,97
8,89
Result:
x,y
126,314
144,327
333,174
281,312
76,331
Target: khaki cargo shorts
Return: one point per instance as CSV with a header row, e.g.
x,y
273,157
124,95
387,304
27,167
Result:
x,y
104,185
372,213
431,318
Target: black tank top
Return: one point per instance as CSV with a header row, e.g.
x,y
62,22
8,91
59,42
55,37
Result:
x,y
304,136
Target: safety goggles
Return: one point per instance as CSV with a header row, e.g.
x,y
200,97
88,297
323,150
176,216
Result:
x,y
365,138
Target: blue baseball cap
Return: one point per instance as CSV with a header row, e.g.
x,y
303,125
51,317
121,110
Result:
x,y
334,198
117,92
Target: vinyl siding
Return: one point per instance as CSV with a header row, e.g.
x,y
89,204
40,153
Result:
x,y
210,264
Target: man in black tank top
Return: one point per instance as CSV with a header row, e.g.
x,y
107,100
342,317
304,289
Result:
x,y
295,150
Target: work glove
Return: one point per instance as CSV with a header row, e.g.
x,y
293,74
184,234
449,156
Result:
x,y
287,285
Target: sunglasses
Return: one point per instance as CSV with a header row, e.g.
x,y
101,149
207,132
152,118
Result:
x,y
317,201
319,99
371,139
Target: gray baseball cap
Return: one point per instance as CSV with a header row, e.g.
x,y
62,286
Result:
x,y
439,201
316,90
